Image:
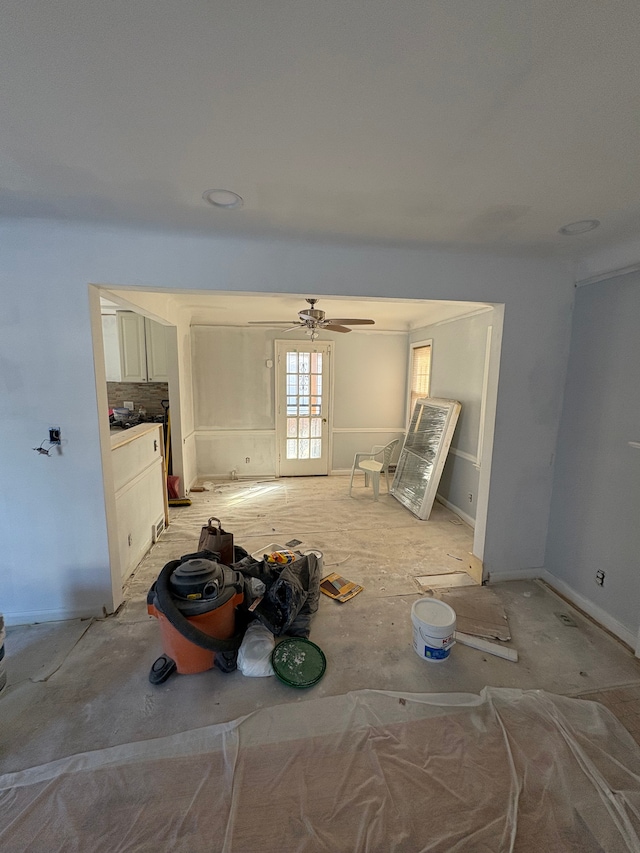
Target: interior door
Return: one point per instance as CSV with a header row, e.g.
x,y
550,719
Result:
x,y
303,384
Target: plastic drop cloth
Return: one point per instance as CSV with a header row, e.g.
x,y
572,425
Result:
x,y
367,771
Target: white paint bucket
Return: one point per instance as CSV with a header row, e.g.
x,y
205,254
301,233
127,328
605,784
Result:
x,y
434,626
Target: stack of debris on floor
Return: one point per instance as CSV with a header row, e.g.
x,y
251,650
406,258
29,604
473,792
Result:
x,y
480,619
207,601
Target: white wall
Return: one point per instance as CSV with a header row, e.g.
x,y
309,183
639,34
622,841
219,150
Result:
x,y
595,521
232,385
52,516
234,400
369,393
458,362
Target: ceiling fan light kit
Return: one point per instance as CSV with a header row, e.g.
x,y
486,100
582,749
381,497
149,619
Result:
x,y
313,320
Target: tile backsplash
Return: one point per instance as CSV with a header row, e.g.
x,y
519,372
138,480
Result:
x,y
146,395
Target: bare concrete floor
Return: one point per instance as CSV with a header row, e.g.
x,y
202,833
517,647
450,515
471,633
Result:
x,y
77,686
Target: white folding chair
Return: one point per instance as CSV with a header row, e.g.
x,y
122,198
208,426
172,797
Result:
x,y
373,463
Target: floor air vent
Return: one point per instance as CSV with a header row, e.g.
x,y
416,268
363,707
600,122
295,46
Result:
x,y
156,530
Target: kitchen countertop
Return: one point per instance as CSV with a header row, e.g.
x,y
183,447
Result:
x,y
124,436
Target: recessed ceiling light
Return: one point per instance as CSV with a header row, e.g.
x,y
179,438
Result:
x,y
578,227
223,198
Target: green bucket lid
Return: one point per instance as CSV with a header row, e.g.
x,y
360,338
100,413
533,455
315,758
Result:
x,y
298,662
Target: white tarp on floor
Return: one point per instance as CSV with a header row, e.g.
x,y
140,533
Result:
x,y
367,771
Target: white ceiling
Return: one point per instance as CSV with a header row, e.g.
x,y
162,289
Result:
x,y
233,309
455,122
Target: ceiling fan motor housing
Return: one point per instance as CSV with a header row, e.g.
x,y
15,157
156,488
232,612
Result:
x,y
312,314
313,319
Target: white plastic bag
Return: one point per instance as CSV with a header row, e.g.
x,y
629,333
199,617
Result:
x,y
254,655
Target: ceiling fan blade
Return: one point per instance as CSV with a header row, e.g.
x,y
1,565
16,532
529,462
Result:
x,y
269,322
351,322
333,328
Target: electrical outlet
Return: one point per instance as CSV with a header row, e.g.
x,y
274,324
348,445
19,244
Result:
x,y
247,459
470,496
600,577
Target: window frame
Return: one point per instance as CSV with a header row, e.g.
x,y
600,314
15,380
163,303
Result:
x,y
412,347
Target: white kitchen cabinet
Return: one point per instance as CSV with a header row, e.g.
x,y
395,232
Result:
x,y
140,487
143,348
156,341
133,352
111,347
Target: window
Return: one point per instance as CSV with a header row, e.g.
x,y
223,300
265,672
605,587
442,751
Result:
x,y
304,401
420,373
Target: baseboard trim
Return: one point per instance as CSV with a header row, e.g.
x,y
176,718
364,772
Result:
x,y
566,593
463,515
220,478
34,617
516,575
604,619
210,432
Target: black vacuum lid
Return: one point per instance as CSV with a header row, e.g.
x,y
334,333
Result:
x,y
197,580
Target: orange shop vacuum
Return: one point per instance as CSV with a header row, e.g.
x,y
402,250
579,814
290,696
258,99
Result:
x,y
194,600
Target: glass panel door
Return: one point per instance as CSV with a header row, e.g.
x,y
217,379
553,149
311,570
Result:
x,y
302,408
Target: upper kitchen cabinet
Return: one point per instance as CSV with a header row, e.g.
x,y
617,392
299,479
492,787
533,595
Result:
x,y
133,350
155,337
112,367
142,348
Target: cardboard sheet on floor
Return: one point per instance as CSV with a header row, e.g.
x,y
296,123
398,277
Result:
x,y
479,611
337,587
368,771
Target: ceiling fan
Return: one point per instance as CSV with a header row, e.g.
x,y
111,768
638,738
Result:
x,y
313,319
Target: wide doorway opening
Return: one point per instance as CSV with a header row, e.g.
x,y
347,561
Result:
x,y
235,419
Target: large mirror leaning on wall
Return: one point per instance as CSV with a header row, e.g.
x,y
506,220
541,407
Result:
x,y
424,453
